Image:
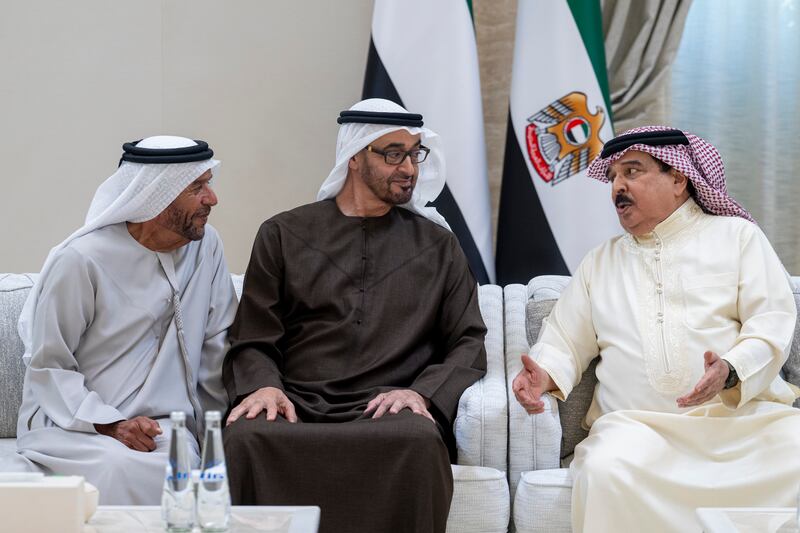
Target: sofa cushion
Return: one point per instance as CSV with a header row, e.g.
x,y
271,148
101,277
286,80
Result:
x,y
543,502
536,312
572,412
14,289
481,502
791,368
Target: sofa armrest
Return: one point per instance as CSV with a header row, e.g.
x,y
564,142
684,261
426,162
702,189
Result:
x,y
481,425
534,440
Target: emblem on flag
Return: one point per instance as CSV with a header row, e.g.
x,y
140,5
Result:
x,y
564,137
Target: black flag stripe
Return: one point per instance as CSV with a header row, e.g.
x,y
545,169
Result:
x,y
448,208
378,84
525,244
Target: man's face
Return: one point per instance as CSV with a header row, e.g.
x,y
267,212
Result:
x,y
643,194
392,184
188,213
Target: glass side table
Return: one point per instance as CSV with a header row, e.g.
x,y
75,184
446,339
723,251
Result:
x,y
244,519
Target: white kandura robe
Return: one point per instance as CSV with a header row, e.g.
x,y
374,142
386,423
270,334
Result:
x,y
651,307
106,348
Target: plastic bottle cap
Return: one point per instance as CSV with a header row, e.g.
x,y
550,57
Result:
x,y
213,416
177,416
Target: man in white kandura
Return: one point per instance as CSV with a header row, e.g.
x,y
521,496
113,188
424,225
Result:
x,y
126,323
692,315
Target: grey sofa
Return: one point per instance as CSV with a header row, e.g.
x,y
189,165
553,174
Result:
x,y
481,502
507,460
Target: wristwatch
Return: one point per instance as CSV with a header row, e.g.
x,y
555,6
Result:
x,y
733,377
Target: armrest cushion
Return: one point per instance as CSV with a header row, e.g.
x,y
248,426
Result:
x,y
534,441
481,425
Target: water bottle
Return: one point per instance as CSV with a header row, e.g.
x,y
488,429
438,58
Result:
x,y
213,498
177,500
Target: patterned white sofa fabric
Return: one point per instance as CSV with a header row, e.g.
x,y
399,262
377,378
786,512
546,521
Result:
x,y
543,501
481,425
14,290
534,441
481,501
541,491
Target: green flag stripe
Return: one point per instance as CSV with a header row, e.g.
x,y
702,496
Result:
x,y
589,19
469,6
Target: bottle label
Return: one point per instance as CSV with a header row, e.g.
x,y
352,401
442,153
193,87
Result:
x,y
177,476
213,473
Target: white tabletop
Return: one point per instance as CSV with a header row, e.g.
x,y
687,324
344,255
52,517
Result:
x,y
748,519
244,519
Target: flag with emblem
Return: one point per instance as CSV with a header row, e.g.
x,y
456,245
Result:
x,y
423,56
551,215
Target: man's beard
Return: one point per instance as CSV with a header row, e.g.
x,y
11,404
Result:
x,y
184,223
382,187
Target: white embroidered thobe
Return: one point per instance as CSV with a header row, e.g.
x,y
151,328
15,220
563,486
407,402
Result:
x,y
106,347
651,307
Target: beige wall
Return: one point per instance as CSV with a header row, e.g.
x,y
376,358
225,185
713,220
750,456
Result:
x,y
262,81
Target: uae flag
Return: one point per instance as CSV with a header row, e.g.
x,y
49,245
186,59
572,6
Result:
x,y
423,56
551,214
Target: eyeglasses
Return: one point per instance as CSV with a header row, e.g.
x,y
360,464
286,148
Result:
x,y
396,157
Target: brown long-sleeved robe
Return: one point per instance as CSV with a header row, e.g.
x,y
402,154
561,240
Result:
x,y
336,310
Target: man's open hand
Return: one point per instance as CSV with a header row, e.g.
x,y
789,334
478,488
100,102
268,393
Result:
x,y
269,399
136,433
529,385
711,384
396,400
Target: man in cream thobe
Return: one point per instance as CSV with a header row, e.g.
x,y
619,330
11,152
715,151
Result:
x,y
127,323
692,314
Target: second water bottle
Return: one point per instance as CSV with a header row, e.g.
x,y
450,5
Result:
x,y
213,498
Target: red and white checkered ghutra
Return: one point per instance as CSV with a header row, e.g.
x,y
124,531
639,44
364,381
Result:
x,y
699,161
